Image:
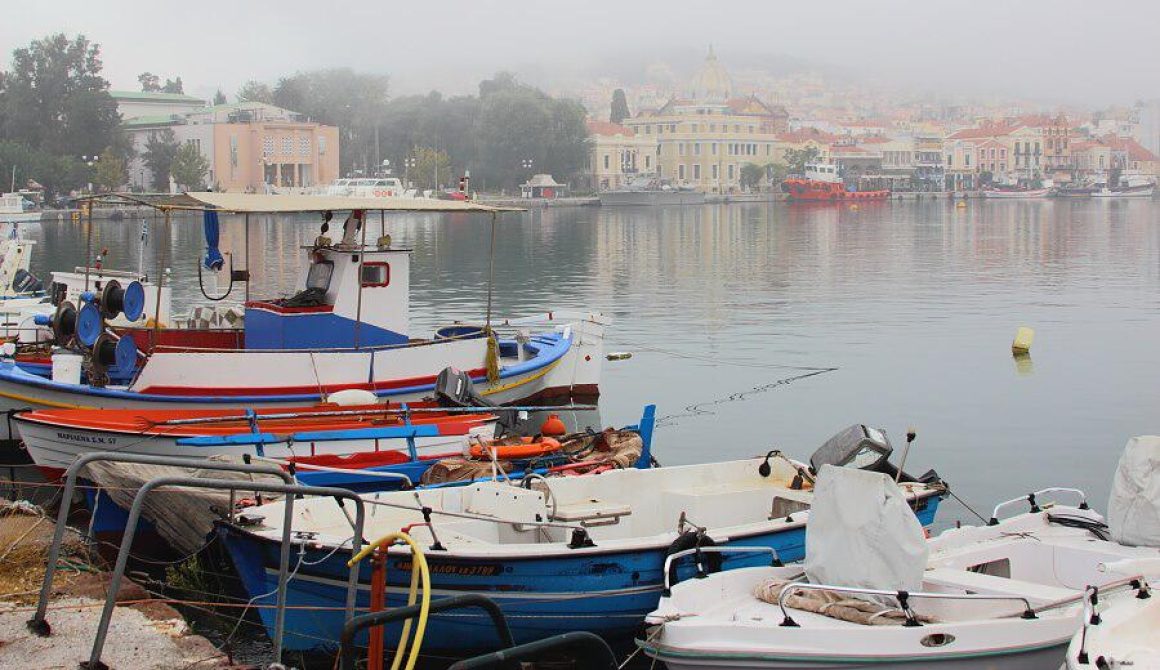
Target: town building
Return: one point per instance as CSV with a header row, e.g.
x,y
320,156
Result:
x,y
617,155
704,137
250,146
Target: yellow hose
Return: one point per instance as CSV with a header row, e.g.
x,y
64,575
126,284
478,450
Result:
x,y
423,574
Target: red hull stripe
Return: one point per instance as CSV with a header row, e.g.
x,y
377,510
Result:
x,y
296,390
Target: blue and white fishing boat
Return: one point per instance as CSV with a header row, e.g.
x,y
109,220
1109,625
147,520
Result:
x,y
347,327
561,554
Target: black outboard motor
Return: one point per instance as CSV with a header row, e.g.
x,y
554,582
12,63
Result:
x,y
864,448
454,388
26,282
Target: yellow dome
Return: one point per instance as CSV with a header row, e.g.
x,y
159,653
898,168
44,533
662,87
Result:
x,y
712,83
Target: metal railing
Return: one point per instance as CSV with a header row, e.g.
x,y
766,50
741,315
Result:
x,y
1032,499
38,624
289,490
903,598
775,561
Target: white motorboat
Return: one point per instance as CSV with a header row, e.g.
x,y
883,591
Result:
x,y
15,209
1122,634
1002,596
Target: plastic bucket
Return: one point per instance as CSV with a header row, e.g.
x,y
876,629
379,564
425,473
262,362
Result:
x,y
66,367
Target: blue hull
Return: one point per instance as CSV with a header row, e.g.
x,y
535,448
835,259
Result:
x,y
608,594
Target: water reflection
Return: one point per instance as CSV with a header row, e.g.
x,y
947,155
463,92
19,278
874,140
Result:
x,y
914,303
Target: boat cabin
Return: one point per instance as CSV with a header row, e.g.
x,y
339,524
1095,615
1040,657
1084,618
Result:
x,y
347,297
823,172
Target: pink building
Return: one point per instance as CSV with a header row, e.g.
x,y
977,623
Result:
x,y
250,146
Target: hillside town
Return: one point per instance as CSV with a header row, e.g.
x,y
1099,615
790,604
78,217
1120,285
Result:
x,y
704,137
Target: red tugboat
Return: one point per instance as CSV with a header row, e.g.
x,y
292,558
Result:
x,y
821,183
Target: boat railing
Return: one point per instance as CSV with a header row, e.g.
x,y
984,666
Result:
x,y
1032,499
775,560
589,650
903,598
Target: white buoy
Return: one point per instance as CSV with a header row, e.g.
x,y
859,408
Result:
x,y
66,367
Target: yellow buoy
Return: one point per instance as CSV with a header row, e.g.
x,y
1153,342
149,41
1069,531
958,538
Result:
x,y
1024,336
962,204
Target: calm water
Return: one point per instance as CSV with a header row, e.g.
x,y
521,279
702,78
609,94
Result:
x,y
915,304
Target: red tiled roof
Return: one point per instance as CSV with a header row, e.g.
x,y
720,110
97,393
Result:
x,y
875,139
1134,149
805,135
993,130
606,128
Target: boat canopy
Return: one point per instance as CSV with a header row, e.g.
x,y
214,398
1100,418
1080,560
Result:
x,y
261,203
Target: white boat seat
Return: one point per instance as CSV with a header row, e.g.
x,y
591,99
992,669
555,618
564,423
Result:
x,y
976,582
591,512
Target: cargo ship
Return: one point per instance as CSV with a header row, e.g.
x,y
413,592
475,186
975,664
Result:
x,y
821,183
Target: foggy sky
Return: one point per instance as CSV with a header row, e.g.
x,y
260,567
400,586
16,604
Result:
x,y
1065,51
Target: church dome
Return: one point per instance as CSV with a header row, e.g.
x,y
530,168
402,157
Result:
x,y
712,83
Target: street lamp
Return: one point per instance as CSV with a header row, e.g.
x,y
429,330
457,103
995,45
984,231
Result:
x,y
90,161
527,163
409,163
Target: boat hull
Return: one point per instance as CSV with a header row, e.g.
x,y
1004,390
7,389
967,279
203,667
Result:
x,y
1016,195
1030,659
562,363
53,447
605,592
1129,192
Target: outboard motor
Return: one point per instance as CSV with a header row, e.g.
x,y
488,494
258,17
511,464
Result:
x,y
26,282
858,446
863,448
454,388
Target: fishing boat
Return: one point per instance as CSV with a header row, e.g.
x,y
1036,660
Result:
x,y
822,183
1015,193
347,327
1124,184
650,191
1004,596
573,553
54,438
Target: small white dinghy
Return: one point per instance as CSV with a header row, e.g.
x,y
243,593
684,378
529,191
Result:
x,y
1126,634
1001,597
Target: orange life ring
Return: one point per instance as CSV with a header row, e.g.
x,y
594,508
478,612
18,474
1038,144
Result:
x,y
527,447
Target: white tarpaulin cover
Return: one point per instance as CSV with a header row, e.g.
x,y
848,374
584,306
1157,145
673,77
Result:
x,y
1134,506
862,533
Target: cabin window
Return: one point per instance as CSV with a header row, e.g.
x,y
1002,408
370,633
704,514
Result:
x,y
319,275
376,274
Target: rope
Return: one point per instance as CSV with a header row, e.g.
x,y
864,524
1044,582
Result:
x,y
699,409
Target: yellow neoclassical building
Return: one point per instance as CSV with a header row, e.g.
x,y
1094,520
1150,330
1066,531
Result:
x,y
704,138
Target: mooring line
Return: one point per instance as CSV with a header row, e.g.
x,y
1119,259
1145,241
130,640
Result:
x,y
699,409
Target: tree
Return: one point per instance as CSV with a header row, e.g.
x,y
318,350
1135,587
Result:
x,y
431,167
150,83
190,168
173,86
619,107
58,174
109,173
255,91
796,159
219,98
160,151
354,102
752,175
55,100
518,123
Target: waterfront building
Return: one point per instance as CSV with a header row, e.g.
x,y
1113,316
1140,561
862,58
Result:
x,y
617,154
1147,130
704,137
250,146
137,104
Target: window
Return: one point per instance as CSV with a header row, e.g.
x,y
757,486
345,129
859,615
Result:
x,y
737,127
647,162
376,274
967,162
694,127
672,127
267,146
712,127
304,146
992,153
696,148
697,172
715,171
319,275
1002,153
950,160
322,146
660,129
731,166
648,130
713,147
680,148
681,172
606,161
287,146
767,149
